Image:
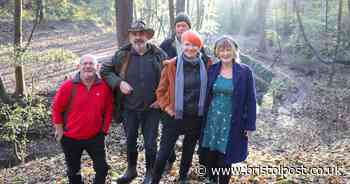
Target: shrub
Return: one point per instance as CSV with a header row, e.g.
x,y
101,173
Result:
x,y
18,121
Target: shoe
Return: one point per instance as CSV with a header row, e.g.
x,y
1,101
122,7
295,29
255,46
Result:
x,y
128,176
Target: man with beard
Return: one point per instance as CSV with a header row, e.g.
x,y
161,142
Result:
x,y
82,113
135,73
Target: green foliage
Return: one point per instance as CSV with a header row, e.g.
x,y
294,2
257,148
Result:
x,y
94,10
60,9
19,120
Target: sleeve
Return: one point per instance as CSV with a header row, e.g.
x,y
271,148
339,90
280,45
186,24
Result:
x,y
250,103
163,56
163,98
60,102
164,47
109,109
108,72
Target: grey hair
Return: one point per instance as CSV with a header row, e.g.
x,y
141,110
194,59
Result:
x,y
94,58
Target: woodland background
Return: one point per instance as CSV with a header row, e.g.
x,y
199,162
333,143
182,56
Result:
x,y
299,51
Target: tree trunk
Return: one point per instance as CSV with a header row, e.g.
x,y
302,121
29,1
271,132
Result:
x,y
286,19
19,75
171,17
180,6
200,14
243,17
326,16
4,97
339,28
261,21
148,11
40,6
188,7
124,16
302,30
349,8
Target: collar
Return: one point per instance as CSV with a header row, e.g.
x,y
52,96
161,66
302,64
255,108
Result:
x,y
76,79
192,62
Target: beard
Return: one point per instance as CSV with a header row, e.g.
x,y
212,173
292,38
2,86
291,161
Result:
x,y
139,45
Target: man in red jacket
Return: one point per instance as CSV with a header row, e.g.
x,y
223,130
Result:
x,y
81,114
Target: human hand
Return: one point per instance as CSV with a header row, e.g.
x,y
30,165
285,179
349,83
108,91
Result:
x,y
169,111
125,88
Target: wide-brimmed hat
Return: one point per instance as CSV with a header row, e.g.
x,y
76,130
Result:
x,y
138,26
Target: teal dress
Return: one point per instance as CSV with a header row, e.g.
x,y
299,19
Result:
x,y
219,116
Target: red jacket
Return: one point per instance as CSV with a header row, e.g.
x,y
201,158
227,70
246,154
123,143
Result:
x,y
90,111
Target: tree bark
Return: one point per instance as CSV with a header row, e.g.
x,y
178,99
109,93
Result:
x,y
180,6
41,12
4,97
200,14
171,17
124,16
188,7
19,75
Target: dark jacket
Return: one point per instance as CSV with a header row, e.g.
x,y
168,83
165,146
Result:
x,y
169,46
192,85
118,70
243,109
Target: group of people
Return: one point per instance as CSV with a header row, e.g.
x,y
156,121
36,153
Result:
x,y
211,104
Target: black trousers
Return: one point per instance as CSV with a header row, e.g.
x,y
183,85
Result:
x,y
73,150
189,126
215,160
148,121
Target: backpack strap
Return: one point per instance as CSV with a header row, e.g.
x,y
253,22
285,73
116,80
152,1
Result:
x,y
69,106
121,69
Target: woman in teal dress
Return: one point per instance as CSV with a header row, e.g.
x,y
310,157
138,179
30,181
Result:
x,y
231,110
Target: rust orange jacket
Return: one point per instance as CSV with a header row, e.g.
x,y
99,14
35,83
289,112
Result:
x,y
166,88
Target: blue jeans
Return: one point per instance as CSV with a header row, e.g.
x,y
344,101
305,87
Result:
x,y
148,121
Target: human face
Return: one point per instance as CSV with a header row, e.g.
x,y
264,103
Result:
x,y
190,50
227,54
88,67
180,28
138,40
